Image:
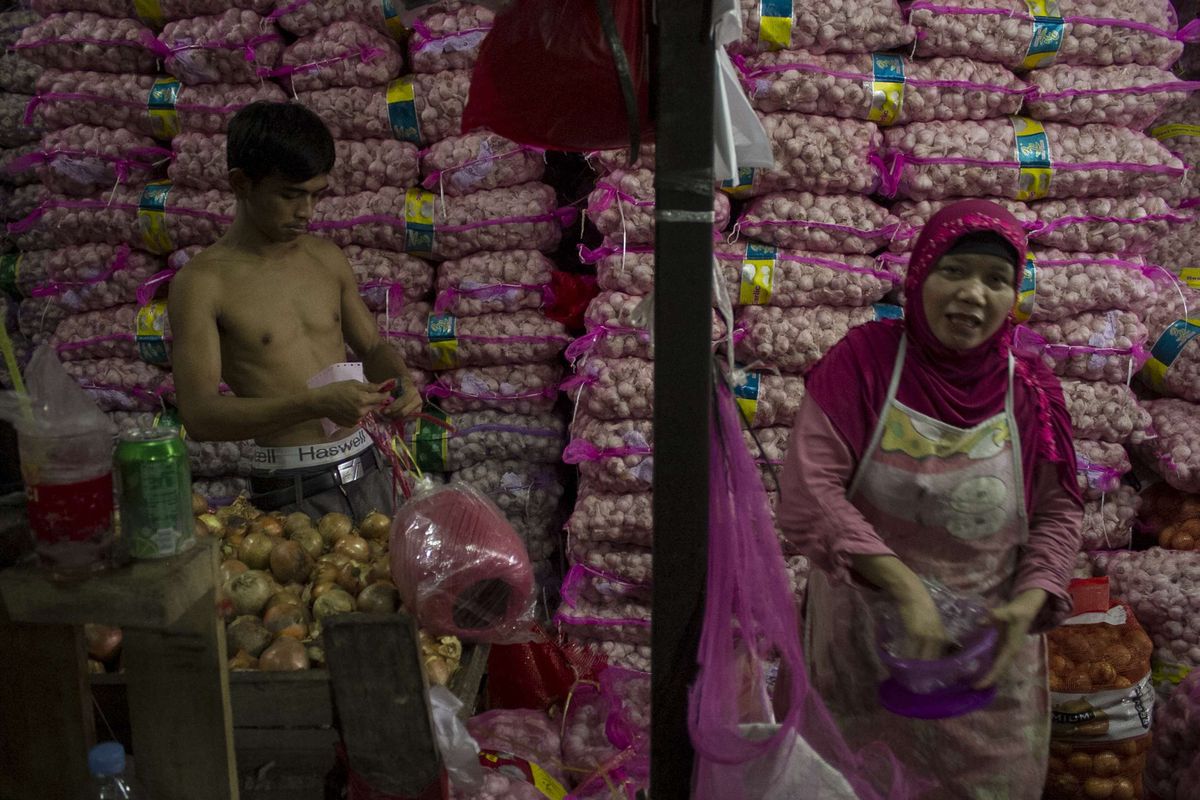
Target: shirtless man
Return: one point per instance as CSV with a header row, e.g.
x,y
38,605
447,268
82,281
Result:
x,y
269,307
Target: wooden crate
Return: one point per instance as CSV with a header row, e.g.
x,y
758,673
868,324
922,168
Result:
x,y
283,730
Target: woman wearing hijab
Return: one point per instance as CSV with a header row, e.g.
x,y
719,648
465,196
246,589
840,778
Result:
x,y
926,449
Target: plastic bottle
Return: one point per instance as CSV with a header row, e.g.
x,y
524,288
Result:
x,y
106,762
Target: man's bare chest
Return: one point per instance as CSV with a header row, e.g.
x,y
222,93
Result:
x,y
280,313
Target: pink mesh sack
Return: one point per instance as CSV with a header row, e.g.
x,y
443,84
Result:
x,y
78,40
745,748
864,26
844,85
1097,32
447,36
233,47
460,567
346,53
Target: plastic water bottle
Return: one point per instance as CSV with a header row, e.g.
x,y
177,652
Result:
x,y
106,762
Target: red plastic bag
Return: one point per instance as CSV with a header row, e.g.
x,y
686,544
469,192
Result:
x,y
536,674
547,77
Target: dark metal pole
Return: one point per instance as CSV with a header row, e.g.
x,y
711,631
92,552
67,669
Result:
x,y
682,374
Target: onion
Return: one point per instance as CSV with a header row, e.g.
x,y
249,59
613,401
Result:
x,y
334,526
287,619
199,529
213,523
296,521
284,655
103,641
286,595
235,526
339,560
353,546
379,598
320,589
352,577
248,634
375,526
256,549
310,541
381,570
377,549
199,505
231,567
325,573
249,592
270,525
335,601
243,661
288,561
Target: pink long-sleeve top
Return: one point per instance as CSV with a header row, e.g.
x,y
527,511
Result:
x,y
822,524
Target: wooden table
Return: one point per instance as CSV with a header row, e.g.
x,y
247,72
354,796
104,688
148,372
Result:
x,y
176,669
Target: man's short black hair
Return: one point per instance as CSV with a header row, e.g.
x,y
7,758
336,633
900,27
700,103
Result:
x,y
279,138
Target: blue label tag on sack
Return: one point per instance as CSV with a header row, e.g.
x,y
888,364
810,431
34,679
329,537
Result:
x,y
1027,295
1033,155
152,217
741,185
1048,32
887,311
402,110
1168,349
442,332
746,395
887,88
391,19
164,122
775,24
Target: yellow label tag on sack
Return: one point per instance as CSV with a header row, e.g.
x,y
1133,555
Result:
x,y
1027,295
418,222
164,122
391,19
1173,130
402,110
746,395
740,185
430,441
152,218
758,275
149,12
531,773
1190,276
1033,155
1166,351
1048,32
1165,672
151,333
775,24
442,332
887,88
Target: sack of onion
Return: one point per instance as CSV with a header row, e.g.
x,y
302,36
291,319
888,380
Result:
x,y
1101,703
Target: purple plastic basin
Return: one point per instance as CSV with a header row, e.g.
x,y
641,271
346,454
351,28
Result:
x,y
958,671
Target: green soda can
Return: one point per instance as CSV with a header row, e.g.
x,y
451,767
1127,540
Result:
x,y
155,495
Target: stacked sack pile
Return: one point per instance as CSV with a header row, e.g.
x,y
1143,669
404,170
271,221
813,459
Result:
x,y
606,596
121,80
20,192
1090,187
416,190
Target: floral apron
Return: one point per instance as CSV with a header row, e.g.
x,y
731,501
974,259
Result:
x,y
950,503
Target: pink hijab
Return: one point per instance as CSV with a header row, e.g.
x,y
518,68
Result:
x,y
959,387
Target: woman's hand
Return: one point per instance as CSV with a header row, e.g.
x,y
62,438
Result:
x,y
1014,621
927,637
922,622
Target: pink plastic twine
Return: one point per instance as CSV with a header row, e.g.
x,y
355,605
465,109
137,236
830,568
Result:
x,y
450,296
119,262
579,451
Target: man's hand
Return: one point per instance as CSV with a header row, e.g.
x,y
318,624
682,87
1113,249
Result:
x,y
403,398
345,403
1014,621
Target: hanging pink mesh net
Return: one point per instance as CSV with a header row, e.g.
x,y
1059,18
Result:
x,y
760,730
